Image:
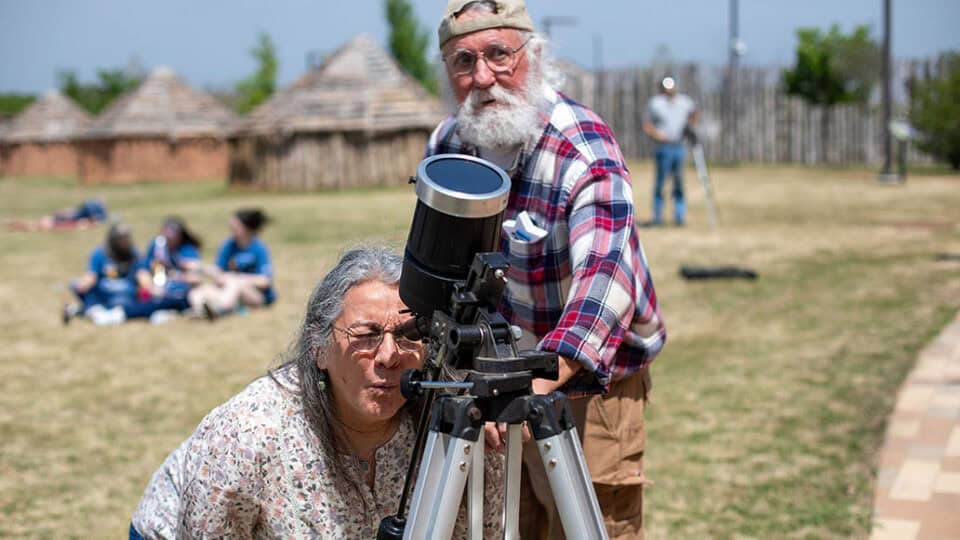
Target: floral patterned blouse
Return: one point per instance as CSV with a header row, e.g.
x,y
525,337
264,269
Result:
x,y
253,469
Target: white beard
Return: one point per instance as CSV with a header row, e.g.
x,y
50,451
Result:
x,y
512,121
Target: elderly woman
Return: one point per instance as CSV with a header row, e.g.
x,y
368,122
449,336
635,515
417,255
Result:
x,y
319,446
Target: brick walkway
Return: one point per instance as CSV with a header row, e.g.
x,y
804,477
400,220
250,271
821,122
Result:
x,y
918,483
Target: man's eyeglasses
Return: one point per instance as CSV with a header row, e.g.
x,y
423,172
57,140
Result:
x,y
501,59
366,337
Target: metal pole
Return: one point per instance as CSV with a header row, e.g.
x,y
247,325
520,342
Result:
x,y
730,98
551,20
886,173
734,35
597,52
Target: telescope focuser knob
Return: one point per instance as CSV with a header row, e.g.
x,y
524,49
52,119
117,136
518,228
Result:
x,y
410,384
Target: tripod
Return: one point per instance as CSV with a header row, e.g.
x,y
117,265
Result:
x,y
475,338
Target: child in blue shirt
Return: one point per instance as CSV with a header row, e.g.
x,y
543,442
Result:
x,y
110,281
172,264
243,275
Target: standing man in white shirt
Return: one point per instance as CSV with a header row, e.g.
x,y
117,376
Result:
x,y
667,116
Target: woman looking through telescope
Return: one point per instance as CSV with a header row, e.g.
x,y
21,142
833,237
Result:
x,y
319,446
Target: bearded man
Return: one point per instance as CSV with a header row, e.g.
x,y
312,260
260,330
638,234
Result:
x,y
579,284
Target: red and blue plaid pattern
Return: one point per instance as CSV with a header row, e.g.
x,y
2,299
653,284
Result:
x,y
584,290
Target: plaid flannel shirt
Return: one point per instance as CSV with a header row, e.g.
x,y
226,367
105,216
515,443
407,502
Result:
x,y
584,291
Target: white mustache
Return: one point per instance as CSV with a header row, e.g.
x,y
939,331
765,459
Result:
x,y
478,97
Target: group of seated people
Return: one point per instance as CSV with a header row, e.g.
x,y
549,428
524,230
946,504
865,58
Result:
x,y
171,278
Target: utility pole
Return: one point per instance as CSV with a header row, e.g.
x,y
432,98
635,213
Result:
x,y
735,43
887,174
597,52
729,104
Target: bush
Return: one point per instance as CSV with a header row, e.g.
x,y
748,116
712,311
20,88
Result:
x,y
935,112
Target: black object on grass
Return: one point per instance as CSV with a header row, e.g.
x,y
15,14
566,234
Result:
x,y
717,272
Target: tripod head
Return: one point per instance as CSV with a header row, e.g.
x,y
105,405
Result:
x,y
473,337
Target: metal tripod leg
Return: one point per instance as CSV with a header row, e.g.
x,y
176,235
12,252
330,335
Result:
x,y
700,162
563,459
475,493
449,461
436,498
511,499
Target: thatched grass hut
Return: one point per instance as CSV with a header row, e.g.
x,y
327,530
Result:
x,y
357,120
40,140
162,130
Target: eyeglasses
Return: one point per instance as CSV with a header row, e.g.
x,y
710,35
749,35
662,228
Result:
x,y
366,337
499,58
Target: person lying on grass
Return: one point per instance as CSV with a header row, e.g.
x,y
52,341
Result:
x,y
88,213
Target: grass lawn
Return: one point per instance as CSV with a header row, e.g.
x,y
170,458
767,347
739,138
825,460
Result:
x,y
769,400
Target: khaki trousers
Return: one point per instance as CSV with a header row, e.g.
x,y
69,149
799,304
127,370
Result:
x,y
611,431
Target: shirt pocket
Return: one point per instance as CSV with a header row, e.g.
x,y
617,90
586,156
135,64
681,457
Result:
x,y
528,261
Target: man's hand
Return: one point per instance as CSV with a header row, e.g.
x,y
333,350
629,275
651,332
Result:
x,y
496,435
568,368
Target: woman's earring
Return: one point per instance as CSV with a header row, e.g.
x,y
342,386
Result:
x,y
324,379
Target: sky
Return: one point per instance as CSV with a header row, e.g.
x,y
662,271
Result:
x,y
208,41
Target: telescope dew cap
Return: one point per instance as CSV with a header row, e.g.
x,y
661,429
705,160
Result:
x,y
462,186
506,14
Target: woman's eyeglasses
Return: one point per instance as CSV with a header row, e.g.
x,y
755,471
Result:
x,y
366,337
501,59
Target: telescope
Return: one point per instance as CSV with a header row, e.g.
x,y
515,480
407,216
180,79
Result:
x,y
460,203
453,279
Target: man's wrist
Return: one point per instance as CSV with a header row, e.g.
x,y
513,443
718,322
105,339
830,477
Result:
x,y
567,369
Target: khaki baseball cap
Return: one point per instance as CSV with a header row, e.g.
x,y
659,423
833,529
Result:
x,y
507,14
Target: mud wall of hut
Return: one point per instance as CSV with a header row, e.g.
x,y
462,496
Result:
x,y
134,160
321,161
39,159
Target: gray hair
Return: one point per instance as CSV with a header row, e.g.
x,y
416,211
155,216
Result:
x,y
357,266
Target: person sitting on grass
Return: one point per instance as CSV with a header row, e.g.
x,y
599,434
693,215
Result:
x,y
171,267
243,275
89,212
318,447
110,280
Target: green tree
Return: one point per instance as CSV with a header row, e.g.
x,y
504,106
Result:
x,y
833,67
11,104
95,97
408,43
256,88
935,112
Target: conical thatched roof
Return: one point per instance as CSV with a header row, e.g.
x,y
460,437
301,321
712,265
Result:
x,y
163,105
359,88
51,118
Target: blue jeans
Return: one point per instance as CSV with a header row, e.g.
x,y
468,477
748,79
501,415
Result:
x,y
134,535
132,308
669,160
